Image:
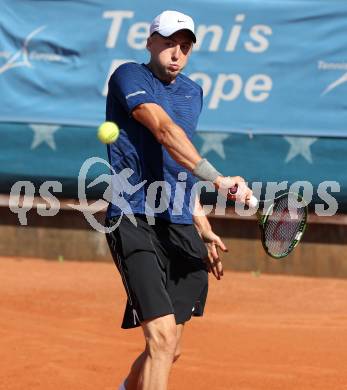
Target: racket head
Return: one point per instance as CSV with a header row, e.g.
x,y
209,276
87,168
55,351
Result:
x,y
283,224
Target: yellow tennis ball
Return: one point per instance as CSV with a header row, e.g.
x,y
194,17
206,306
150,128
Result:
x,y
108,132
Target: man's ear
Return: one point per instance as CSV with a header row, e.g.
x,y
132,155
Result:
x,y
149,43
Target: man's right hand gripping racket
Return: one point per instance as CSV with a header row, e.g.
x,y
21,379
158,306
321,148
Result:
x,y
282,222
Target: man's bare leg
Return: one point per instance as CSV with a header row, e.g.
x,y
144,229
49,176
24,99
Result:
x,y
137,376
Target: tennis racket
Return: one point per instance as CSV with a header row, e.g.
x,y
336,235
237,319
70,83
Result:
x,y
282,222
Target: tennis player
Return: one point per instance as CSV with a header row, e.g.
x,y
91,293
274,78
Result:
x,y
163,265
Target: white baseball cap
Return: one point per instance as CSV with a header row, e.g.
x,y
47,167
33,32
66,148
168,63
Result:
x,y
168,22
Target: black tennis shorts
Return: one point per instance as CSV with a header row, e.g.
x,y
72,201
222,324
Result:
x,y
162,268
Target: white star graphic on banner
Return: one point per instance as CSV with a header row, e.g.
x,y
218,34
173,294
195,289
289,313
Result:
x,y
43,133
300,146
213,142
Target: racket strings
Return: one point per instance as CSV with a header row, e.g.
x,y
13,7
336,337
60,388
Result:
x,y
283,225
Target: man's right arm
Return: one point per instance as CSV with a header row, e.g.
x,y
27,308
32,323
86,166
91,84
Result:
x,y
178,145
167,133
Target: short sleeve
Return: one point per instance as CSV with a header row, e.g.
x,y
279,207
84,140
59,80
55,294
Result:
x,y
132,85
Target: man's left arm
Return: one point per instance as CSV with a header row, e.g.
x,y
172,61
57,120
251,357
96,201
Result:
x,y
212,241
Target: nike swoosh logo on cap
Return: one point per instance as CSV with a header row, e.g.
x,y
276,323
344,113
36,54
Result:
x,y
180,21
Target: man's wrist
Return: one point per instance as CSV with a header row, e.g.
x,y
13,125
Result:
x,y
204,170
218,181
202,225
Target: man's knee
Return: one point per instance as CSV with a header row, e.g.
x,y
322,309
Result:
x,y
161,338
163,341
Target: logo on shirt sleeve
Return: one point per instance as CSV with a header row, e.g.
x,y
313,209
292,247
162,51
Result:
x,y
135,94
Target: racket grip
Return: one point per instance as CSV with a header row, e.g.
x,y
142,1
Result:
x,y
252,203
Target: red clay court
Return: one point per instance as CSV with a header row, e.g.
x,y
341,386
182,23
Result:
x,y
60,330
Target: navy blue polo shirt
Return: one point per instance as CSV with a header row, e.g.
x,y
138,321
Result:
x,y
152,172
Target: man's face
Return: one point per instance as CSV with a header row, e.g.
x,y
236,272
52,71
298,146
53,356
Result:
x,y
169,55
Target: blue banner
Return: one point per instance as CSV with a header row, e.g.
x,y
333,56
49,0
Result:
x,y
265,67
42,152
